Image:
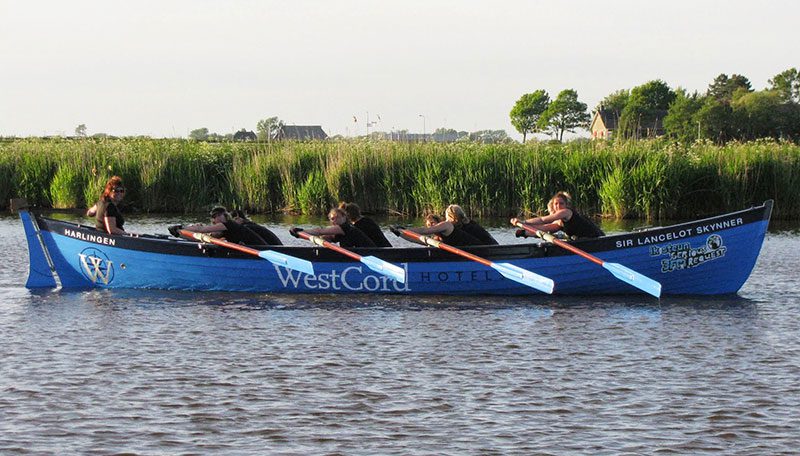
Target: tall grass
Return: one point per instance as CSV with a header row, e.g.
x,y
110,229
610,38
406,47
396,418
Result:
x,y
642,179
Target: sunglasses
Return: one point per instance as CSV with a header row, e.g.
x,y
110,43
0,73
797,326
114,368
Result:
x,y
119,190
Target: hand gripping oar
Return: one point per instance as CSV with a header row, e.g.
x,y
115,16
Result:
x,y
376,264
280,259
507,270
619,271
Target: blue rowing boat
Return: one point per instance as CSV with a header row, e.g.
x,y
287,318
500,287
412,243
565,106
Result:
x,y
703,257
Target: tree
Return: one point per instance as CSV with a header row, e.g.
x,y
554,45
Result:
x,y
759,114
565,113
526,112
267,128
201,134
646,108
715,120
787,84
680,122
723,87
489,136
447,134
80,130
615,102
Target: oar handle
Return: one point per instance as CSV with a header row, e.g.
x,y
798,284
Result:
x,y
328,245
564,245
203,237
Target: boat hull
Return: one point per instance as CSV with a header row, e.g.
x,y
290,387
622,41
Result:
x,y
704,257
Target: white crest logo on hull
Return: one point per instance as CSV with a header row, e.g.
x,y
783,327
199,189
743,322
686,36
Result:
x,y
96,266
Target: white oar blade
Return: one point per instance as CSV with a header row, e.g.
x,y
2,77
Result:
x,y
634,278
384,267
287,261
525,277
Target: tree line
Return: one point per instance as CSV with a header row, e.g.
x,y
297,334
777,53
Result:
x,y
730,109
265,131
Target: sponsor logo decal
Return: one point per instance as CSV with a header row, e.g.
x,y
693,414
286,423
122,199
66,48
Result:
x,y
684,256
360,278
96,266
351,278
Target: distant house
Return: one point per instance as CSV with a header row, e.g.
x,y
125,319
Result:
x,y
300,132
244,135
604,123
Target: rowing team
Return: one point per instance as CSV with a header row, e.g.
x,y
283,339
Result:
x,y
350,228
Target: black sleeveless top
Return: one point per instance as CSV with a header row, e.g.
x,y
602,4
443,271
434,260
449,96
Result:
x,y
353,237
479,232
581,227
373,231
107,208
239,234
459,237
268,236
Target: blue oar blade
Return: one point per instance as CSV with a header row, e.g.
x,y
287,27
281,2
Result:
x,y
287,261
634,278
525,277
384,267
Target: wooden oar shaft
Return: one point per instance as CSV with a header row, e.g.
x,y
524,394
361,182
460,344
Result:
x,y
441,245
202,237
564,245
329,245
507,270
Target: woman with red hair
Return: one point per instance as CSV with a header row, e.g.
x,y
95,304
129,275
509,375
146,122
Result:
x,y
106,213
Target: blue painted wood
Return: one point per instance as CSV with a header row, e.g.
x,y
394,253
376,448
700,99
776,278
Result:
x,y
39,273
703,257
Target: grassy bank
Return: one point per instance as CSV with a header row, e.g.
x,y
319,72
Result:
x,y
651,180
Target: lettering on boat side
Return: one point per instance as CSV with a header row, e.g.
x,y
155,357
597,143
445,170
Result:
x,y
684,256
96,266
351,278
645,239
96,238
456,276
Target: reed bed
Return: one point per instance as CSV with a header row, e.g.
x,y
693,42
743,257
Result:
x,y
638,179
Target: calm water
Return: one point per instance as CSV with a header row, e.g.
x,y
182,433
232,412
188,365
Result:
x,y
104,372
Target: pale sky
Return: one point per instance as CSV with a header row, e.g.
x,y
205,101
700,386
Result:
x,y
165,67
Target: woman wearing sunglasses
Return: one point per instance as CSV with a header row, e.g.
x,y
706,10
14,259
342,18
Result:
x,y
340,230
106,212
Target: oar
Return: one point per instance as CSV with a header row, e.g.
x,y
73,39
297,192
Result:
x,y
619,271
507,270
376,264
280,259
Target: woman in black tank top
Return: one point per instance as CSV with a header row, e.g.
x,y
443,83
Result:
x,y
562,217
340,230
365,224
106,212
223,225
450,231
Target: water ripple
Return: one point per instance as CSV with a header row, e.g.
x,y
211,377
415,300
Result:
x,y
138,372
